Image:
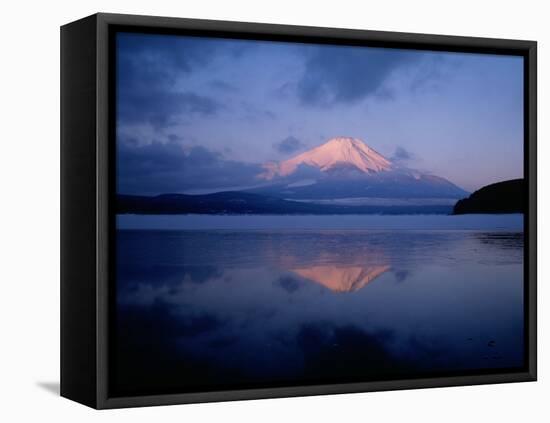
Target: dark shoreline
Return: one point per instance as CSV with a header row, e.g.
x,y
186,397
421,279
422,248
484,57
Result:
x,y
499,198
240,203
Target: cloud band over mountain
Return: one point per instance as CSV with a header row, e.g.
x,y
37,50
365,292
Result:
x,y
160,168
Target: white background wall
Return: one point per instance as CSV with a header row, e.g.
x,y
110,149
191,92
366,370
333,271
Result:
x,y
29,170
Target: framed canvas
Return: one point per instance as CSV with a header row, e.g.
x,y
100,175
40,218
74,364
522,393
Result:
x,y
257,211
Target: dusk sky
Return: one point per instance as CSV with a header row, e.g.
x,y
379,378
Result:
x,y
204,113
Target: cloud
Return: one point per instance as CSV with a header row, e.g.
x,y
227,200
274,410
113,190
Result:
x,y
223,86
401,275
163,322
159,107
154,61
401,155
335,75
148,68
288,145
288,283
359,347
159,168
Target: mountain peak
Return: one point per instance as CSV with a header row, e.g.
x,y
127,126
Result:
x,y
336,153
348,141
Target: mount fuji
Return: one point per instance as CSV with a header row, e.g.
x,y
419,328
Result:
x,y
345,168
336,154
342,176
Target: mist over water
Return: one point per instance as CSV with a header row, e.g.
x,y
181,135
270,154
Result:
x,y
257,306
511,222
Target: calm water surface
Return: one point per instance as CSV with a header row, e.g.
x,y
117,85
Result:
x,y
228,308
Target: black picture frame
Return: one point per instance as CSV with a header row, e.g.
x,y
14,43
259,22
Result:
x,y
87,197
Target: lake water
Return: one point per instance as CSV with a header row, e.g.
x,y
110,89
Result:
x,y
252,301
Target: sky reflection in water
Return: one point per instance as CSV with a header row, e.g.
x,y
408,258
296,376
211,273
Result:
x,y
203,310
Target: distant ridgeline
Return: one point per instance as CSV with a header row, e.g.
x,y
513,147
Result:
x,y
342,176
248,203
502,197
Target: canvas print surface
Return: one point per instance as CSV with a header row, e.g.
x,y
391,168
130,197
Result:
x,y
291,214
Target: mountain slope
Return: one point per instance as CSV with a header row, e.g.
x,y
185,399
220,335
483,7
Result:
x,y
336,153
393,184
346,167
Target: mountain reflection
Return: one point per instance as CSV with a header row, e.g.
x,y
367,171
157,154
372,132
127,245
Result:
x,y
342,278
197,309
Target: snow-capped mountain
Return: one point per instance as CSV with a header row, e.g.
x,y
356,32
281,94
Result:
x,y
346,168
336,154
